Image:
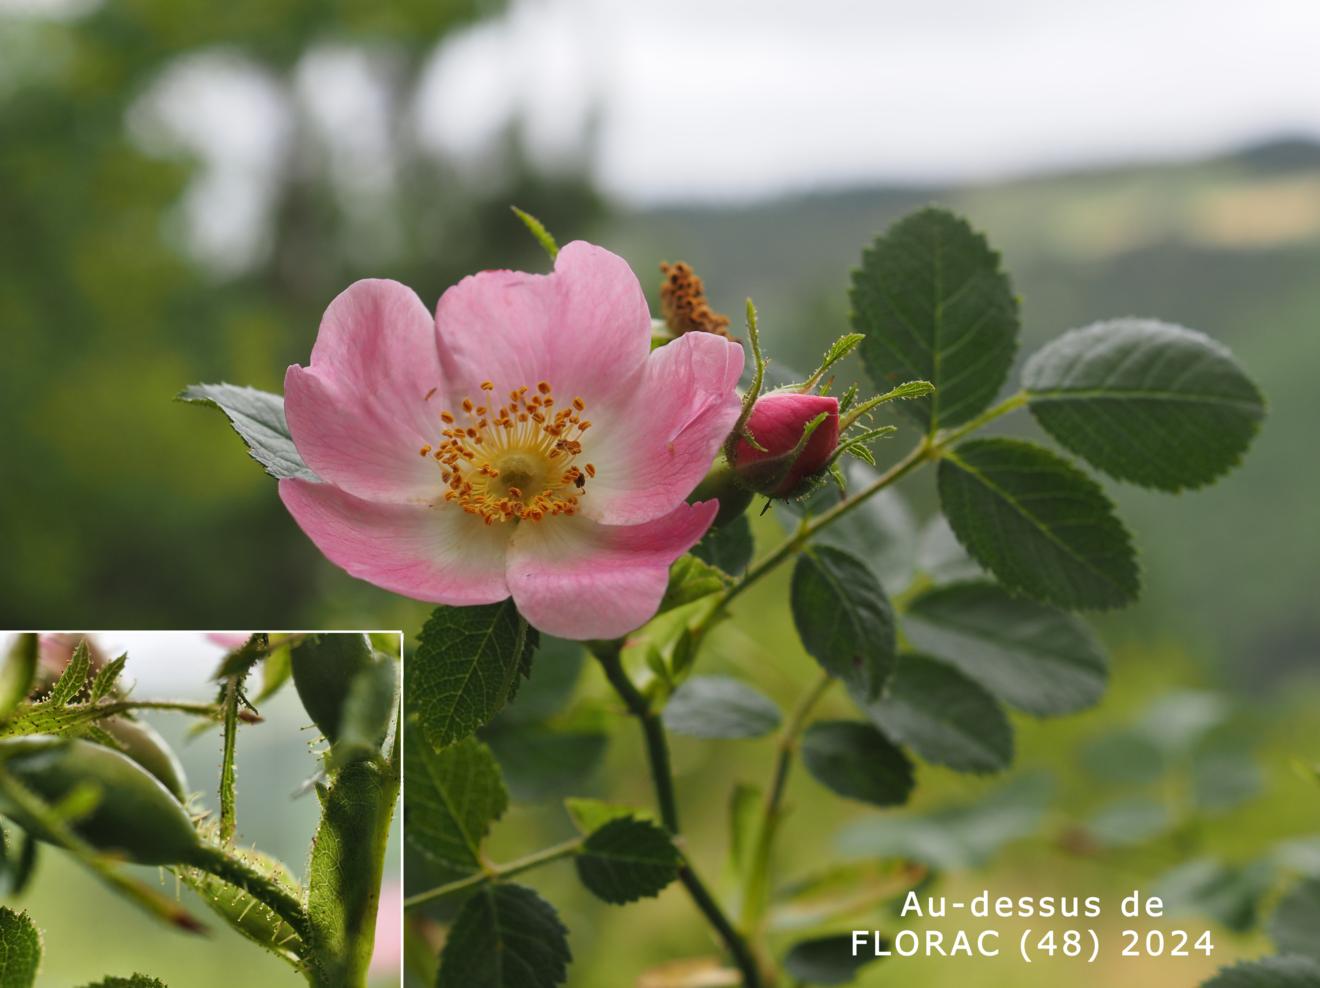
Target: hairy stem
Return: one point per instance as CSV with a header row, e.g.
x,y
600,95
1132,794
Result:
x,y
228,799
348,854
657,751
494,872
219,862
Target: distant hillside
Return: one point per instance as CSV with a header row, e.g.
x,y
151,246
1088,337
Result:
x,y
1229,245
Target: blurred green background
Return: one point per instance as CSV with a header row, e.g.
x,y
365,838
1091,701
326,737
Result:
x,y
122,281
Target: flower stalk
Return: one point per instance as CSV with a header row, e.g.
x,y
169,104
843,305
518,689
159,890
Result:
x,y
657,750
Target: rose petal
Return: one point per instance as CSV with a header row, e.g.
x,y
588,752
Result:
x,y
577,579
437,554
650,453
585,328
360,413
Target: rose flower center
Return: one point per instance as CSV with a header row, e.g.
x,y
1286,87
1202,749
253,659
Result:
x,y
514,462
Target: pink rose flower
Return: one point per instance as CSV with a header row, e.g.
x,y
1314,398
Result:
x,y
777,423
526,442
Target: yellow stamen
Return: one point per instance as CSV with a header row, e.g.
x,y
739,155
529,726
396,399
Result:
x,y
513,463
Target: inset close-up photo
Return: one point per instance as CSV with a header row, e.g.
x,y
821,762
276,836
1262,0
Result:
x,y
190,810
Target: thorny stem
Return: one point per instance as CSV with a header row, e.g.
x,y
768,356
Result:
x,y
657,750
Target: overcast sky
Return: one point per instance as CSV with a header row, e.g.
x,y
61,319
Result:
x,y
718,100
715,98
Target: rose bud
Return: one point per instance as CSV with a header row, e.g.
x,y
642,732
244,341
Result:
x,y
787,458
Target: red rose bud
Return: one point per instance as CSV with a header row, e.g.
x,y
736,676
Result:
x,y
784,463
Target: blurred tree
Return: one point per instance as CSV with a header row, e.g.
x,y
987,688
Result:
x,y
116,508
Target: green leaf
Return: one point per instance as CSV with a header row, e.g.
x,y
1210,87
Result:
x,y
452,797
1299,854
1124,757
828,960
73,680
20,949
506,936
135,981
23,865
627,859
43,718
1269,972
745,805
1295,925
258,418
549,688
1039,524
1224,777
690,579
944,717
850,889
1129,821
538,231
1228,894
1145,401
935,306
18,672
106,680
239,661
941,558
728,547
720,707
960,836
540,762
855,760
275,672
468,660
1030,655
843,617
324,667
592,814
1179,721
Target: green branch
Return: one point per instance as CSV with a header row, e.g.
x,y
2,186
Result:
x,y
219,862
228,800
496,872
925,450
756,887
657,750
